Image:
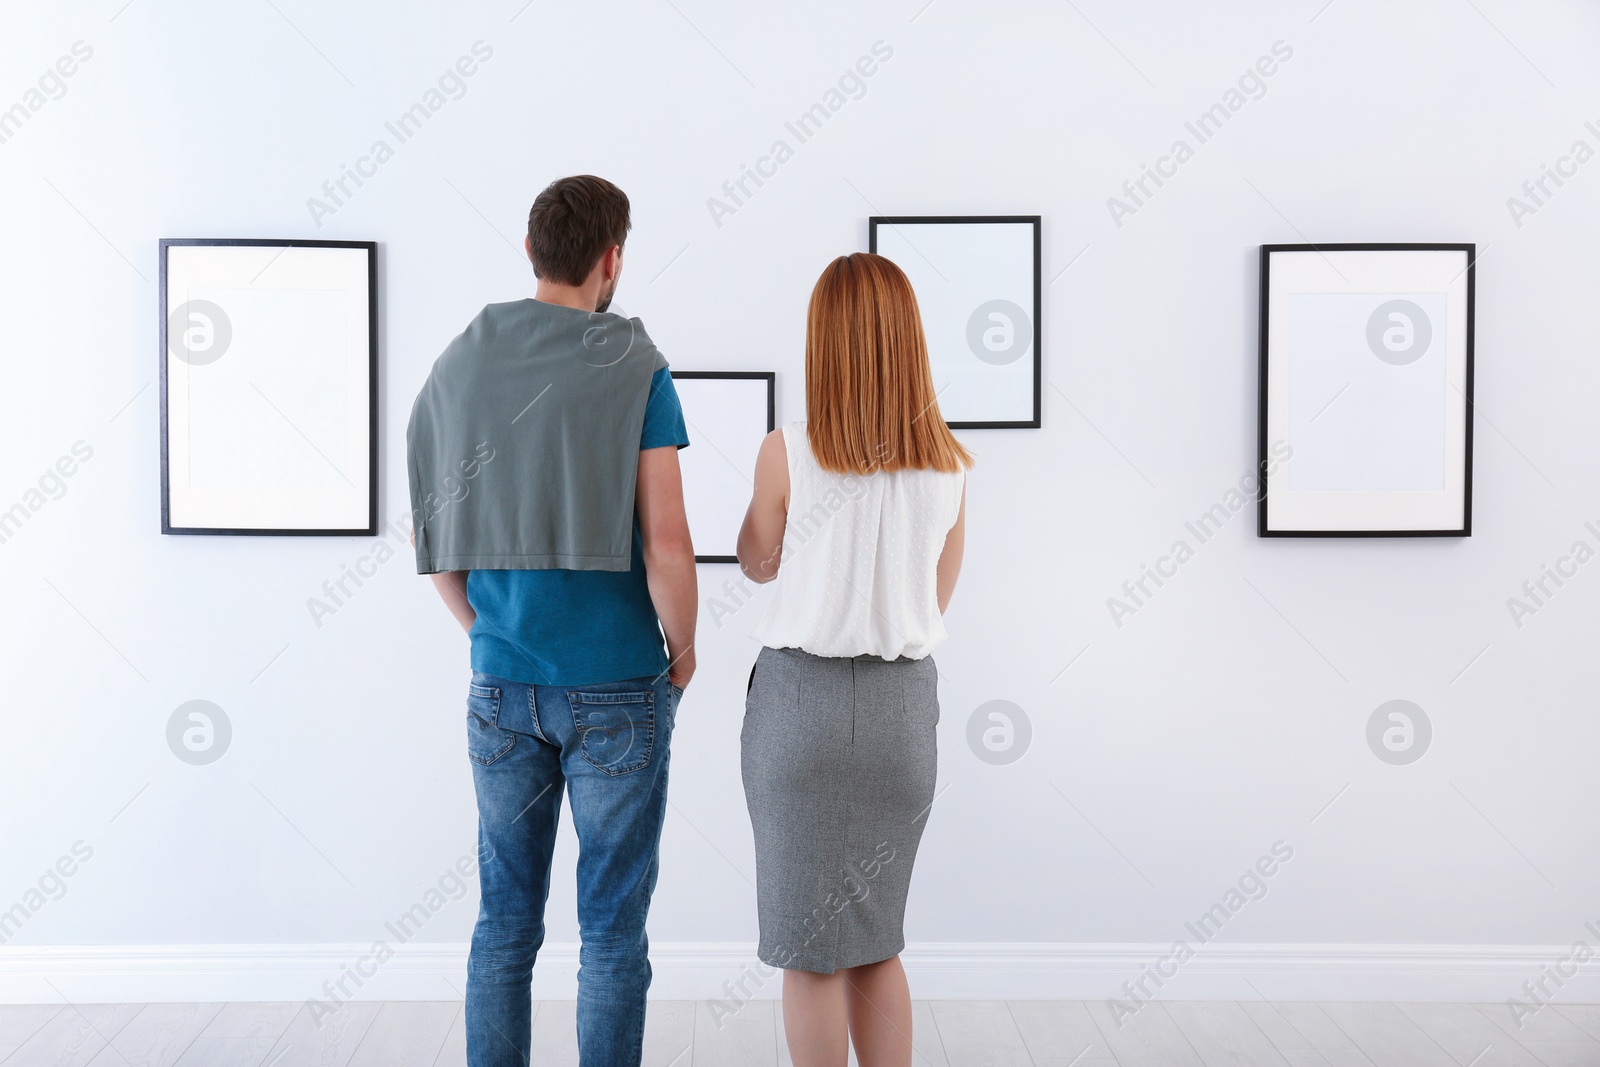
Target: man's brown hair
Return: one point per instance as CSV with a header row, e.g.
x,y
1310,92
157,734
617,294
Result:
x,y
572,223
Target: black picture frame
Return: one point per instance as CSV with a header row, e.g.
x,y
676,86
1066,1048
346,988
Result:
x,y
1037,222
162,311
1464,529
771,378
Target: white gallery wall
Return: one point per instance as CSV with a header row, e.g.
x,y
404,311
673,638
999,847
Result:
x,y
1171,747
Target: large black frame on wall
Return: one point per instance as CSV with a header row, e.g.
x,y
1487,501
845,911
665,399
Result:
x,y
962,309
306,320
729,424
1380,337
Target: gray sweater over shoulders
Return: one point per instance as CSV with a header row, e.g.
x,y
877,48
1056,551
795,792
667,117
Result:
x,y
523,445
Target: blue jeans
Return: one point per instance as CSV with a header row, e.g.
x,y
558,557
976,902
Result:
x,y
608,744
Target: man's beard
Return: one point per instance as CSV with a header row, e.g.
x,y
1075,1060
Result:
x,y
605,299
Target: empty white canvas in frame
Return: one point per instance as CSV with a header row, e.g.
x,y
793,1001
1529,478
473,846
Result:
x,y
727,413
977,283
268,387
1366,390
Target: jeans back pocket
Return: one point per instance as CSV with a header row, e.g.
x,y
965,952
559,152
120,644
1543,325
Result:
x,y
486,742
617,730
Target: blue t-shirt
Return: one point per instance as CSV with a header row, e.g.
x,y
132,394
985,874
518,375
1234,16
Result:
x,y
560,627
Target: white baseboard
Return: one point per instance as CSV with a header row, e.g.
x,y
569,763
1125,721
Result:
x,y
696,971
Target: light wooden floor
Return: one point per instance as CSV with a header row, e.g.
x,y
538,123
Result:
x,y
947,1034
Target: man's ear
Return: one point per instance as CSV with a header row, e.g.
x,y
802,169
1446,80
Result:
x,y
613,261
527,247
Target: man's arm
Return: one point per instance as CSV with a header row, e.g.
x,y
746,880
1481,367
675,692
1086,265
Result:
x,y
668,556
452,586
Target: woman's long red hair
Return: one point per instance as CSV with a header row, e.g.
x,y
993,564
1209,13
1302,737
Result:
x,y
870,402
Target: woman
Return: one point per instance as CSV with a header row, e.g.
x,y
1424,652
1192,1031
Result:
x,y
859,514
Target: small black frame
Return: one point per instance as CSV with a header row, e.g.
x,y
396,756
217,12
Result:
x,y
371,248
1037,222
771,378
1262,458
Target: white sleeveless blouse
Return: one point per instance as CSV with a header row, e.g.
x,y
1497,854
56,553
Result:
x,y
858,573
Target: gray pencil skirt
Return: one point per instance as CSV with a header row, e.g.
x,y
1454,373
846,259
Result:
x,y
839,757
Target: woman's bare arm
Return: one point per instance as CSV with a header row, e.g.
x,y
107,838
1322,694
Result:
x,y
761,536
950,559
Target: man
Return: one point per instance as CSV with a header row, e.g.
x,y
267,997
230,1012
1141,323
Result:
x,y
548,507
